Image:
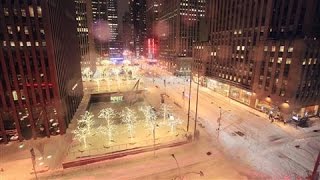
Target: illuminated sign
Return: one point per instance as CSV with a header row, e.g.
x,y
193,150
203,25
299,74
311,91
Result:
x,y
116,98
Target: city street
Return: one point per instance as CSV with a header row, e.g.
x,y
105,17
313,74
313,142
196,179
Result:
x,y
247,134
237,151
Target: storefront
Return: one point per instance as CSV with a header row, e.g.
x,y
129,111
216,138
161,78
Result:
x,y
218,87
240,95
309,111
263,106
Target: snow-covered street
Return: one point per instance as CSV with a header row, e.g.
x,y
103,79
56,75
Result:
x,y
247,146
274,148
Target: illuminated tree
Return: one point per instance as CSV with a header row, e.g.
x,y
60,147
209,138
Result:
x,y
164,111
150,117
173,123
129,117
107,131
107,114
84,128
117,72
81,135
87,73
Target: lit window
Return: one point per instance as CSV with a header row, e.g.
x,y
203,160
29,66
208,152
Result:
x,y
26,31
12,44
315,61
281,49
238,48
242,48
304,62
6,11
265,48
37,43
21,44
290,49
288,61
9,29
18,28
39,11
271,60
4,43
23,13
273,49
15,95
28,43
279,60
43,43
310,60
31,11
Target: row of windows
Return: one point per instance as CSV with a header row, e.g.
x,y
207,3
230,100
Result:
x,y
23,12
281,49
22,44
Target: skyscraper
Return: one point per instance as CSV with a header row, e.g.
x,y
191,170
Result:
x,y
40,79
84,26
265,54
178,29
127,34
137,10
105,27
152,15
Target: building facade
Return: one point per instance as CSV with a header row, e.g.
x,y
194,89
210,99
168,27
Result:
x,y
84,26
152,15
127,32
137,10
105,27
265,54
178,28
40,79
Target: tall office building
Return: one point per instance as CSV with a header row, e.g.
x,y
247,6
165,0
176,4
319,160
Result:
x,y
84,28
105,27
137,10
152,15
178,30
264,54
40,79
127,32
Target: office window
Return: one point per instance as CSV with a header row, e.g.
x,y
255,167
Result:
x,y
31,11
6,11
39,10
23,13
265,48
9,29
290,49
26,31
281,49
288,61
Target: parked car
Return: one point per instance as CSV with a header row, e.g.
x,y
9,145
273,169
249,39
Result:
x,y
300,121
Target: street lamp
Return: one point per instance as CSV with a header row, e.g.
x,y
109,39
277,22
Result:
x,y
219,120
177,165
182,176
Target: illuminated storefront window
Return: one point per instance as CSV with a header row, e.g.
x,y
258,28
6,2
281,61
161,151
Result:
x,y
218,87
240,95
